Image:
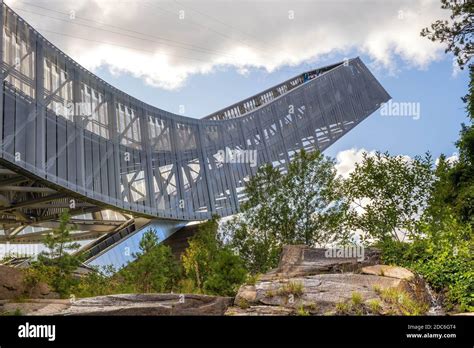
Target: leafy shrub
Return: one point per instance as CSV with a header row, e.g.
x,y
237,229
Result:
x,y
443,256
212,266
155,270
227,274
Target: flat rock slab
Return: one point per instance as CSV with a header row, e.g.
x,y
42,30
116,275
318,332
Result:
x,y
260,310
389,271
149,304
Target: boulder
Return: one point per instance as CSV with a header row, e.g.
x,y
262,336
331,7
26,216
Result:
x,y
12,286
11,283
389,271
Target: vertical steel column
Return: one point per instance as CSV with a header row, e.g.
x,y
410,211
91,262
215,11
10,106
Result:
x,y
79,121
177,164
39,109
346,81
207,180
280,131
248,170
339,115
229,175
328,128
113,134
312,120
295,123
263,141
146,148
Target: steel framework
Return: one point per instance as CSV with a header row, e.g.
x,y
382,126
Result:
x,y
69,140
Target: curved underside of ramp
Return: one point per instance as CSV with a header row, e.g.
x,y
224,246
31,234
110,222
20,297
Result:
x,y
71,141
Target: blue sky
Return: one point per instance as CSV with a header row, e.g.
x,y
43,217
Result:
x,y
434,87
170,53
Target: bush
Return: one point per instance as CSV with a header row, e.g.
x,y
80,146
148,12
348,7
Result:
x,y
443,256
212,267
56,265
102,282
155,270
227,274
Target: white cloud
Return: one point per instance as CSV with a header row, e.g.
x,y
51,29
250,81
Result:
x,y
241,35
347,159
450,159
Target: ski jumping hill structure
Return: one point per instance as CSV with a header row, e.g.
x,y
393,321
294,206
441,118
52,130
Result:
x,y
69,140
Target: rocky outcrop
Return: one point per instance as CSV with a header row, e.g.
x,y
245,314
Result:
x,y
149,304
311,281
144,304
13,286
306,282
33,307
124,304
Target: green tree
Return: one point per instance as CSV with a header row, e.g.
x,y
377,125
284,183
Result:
x,y
56,265
389,194
457,33
148,241
227,274
442,254
210,265
259,248
154,270
303,206
59,242
203,247
460,177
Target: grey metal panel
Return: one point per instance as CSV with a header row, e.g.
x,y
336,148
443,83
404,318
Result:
x,y
51,152
150,192
104,175
62,148
9,124
88,164
79,130
96,164
72,140
114,162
